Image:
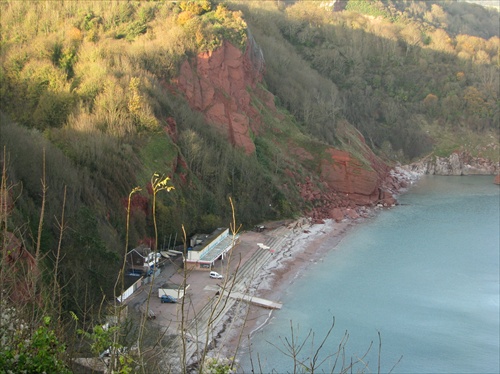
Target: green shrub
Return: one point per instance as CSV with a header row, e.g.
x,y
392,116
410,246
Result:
x,y
209,29
21,353
196,7
367,7
53,109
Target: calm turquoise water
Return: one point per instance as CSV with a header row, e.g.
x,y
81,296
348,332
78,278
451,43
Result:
x,y
424,274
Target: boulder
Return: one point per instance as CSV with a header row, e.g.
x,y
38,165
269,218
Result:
x,y
337,214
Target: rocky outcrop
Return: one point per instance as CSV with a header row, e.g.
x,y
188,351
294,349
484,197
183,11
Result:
x,y
335,5
217,84
340,5
365,179
348,175
331,204
458,163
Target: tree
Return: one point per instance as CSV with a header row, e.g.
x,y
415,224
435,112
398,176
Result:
x,y
412,36
430,102
441,41
23,352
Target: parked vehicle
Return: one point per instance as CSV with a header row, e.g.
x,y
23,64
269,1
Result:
x,y
135,273
215,275
168,299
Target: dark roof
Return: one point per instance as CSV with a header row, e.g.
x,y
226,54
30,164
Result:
x,y
207,239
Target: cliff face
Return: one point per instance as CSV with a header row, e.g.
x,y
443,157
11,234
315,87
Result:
x,y
361,178
350,185
347,175
458,163
220,84
216,84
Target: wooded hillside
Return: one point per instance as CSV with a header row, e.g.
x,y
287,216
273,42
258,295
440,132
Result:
x,y
89,104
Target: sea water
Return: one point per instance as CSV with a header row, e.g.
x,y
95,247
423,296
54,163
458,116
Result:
x,y
424,275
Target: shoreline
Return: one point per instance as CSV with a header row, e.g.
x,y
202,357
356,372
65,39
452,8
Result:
x,y
302,249
305,250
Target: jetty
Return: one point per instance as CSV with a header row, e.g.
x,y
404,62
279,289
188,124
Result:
x,y
244,297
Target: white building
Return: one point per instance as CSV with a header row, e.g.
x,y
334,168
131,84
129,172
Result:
x,y
142,259
206,249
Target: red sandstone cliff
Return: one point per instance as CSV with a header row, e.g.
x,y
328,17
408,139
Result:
x,y
220,84
216,84
361,180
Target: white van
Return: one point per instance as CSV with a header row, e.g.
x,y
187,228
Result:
x,y
215,275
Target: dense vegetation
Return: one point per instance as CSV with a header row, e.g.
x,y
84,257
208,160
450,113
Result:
x,y
403,73
86,94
